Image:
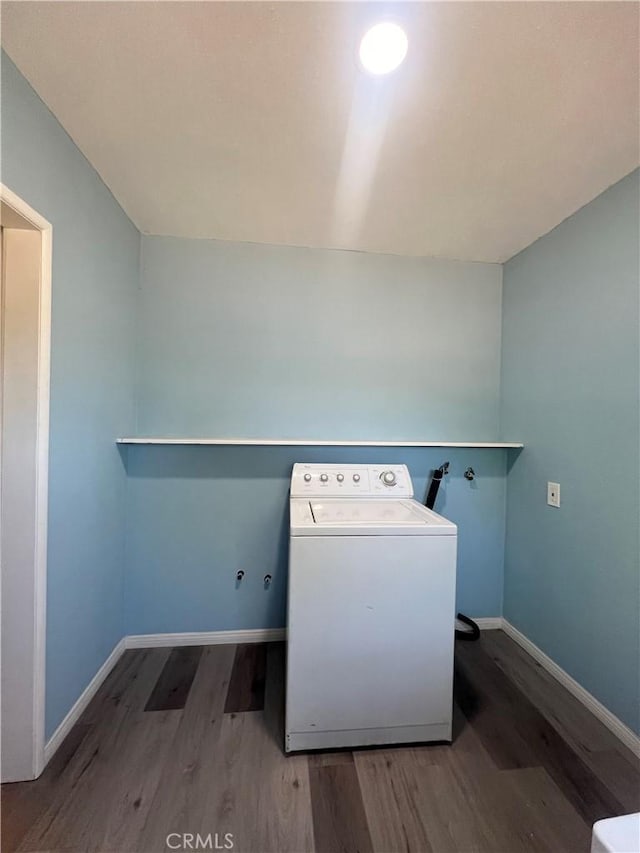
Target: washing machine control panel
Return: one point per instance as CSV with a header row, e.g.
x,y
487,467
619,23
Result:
x,y
351,480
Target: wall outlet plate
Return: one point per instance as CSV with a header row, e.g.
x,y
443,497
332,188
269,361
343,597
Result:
x,y
553,494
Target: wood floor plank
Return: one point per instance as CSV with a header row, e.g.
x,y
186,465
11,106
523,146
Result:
x,y
598,747
330,759
389,777
392,816
417,807
174,683
246,689
180,803
86,790
492,718
520,775
505,719
466,751
257,793
534,814
274,692
339,820
567,714
22,803
620,777
537,807
140,758
118,683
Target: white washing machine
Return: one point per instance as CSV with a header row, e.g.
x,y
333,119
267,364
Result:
x,y
371,610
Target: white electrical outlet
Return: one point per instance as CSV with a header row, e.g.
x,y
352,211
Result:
x,y
553,494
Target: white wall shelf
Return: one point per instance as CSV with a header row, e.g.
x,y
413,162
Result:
x,y
306,442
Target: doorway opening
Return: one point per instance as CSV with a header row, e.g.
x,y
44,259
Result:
x,y
25,331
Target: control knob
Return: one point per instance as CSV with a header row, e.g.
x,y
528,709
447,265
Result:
x,y
356,478
388,478
307,478
339,477
323,478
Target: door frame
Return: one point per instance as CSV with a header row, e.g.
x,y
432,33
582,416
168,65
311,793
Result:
x,y
37,745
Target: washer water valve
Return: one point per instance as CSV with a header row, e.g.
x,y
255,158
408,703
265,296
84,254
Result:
x,y
469,473
267,580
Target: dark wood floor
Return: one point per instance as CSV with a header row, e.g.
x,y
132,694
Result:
x,y
189,740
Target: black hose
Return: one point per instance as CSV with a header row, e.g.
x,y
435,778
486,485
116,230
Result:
x,y
462,634
436,479
432,494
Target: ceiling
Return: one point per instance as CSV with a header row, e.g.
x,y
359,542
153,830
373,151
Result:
x,y
253,121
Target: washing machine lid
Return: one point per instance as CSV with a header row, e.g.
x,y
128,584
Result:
x,y
365,512
367,517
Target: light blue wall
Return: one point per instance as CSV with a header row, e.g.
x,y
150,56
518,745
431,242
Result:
x,y
95,276
251,340
570,379
198,514
254,340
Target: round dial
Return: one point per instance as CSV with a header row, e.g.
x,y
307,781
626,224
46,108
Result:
x,y
307,478
339,477
388,478
356,478
323,478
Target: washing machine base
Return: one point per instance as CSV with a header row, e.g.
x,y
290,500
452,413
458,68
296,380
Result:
x,y
303,741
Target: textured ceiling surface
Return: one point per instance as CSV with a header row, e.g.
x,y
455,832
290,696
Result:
x,y
253,121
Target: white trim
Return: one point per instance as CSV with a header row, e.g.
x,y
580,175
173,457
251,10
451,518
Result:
x,y
629,738
83,700
488,623
42,469
204,638
21,207
42,486
307,442
253,635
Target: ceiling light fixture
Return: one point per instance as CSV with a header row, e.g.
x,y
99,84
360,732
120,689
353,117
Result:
x,y
383,48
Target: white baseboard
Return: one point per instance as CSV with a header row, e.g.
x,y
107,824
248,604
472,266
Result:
x,y
253,635
204,638
488,623
83,700
628,737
